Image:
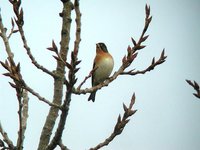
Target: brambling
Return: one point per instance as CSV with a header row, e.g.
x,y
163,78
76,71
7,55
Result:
x,y
103,66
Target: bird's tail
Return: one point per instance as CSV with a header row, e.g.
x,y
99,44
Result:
x,y
92,96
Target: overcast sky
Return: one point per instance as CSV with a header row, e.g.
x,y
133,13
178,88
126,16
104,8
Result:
x,y
168,115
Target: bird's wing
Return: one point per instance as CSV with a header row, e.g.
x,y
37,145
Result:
x,y
93,72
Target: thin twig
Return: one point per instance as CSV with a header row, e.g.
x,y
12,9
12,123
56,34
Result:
x,y
6,138
149,68
26,87
78,25
105,83
20,22
10,56
196,88
12,29
87,77
121,123
14,73
19,83
148,18
5,39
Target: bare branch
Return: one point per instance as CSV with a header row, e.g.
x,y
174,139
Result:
x,y
105,83
5,39
148,18
60,70
71,80
19,84
12,29
26,87
20,22
128,59
20,136
65,107
60,79
149,68
6,138
24,113
78,25
121,123
14,71
62,146
87,77
196,88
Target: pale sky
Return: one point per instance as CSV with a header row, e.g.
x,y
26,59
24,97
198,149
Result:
x,y
168,115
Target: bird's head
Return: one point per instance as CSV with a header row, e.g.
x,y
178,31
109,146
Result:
x,y
101,46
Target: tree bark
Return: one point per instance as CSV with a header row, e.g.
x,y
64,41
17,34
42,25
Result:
x,y
59,80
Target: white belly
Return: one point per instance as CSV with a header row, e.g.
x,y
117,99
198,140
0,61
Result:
x,y
103,71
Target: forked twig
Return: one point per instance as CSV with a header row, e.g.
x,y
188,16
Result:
x,y
19,84
153,64
121,123
12,29
20,22
6,138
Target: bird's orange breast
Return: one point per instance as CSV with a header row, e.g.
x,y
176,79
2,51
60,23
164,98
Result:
x,y
104,63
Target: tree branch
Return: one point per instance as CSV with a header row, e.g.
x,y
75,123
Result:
x,y
65,107
20,22
6,138
148,18
149,68
60,71
19,83
12,29
87,77
5,39
19,92
26,87
127,59
62,146
105,83
71,80
59,78
121,123
24,113
23,116
78,25
195,86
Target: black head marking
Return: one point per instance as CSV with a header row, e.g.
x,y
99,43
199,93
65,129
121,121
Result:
x,y
102,46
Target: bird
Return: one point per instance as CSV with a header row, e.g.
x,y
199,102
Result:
x,y
102,67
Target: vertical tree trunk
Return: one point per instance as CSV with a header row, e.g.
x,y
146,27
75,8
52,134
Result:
x,y
60,72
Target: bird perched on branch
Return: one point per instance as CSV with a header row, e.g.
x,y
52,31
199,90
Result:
x,y
103,66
